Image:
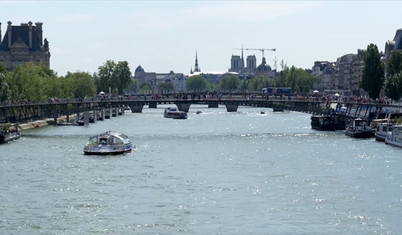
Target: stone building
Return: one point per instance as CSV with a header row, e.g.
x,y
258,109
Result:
x,y
344,75
245,70
392,45
22,44
327,73
178,80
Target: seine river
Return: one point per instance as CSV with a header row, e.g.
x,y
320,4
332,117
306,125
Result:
x,y
214,173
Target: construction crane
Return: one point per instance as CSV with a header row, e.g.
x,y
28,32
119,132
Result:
x,y
256,49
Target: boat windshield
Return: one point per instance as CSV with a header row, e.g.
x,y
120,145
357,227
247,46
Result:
x,y
93,140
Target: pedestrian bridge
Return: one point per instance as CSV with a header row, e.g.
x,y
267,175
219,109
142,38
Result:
x,y
27,110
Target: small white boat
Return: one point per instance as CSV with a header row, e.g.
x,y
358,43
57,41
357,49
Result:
x,y
381,131
108,143
394,137
174,113
359,129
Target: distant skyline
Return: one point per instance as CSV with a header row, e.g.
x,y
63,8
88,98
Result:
x,y
165,35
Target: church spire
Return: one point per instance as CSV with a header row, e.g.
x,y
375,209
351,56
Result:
x,y
196,68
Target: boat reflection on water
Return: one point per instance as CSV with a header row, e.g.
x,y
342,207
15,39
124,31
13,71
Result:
x,y
108,143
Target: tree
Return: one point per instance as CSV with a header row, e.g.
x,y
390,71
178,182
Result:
x,y
229,83
393,86
296,78
394,65
122,77
393,81
105,76
165,87
117,77
145,87
196,83
82,84
4,88
259,82
373,72
29,81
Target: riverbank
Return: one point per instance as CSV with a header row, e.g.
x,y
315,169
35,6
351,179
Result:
x,y
45,122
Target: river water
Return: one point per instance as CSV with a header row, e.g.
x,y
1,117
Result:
x,y
214,173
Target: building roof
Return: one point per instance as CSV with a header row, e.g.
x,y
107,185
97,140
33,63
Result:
x,y
398,40
21,32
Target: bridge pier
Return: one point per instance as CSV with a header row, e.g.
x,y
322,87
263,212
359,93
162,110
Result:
x,y
108,113
152,105
231,107
183,106
103,114
136,108
95,115
213,105
86,118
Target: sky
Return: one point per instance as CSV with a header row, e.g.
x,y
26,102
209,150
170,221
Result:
x,y
164,35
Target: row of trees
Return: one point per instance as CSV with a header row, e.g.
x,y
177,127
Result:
x,y
38,82
296,78
374,79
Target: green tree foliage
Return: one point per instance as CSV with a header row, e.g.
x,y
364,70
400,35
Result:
x,y
393,86
259,82
229,83
394,65
122,77
296,78
196,83
82,84
105,76
373,72
145,87
166,87
393,81
117,77
29,82
4,88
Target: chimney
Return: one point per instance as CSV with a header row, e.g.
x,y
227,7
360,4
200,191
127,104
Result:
x,y
9,33
30,34
39,29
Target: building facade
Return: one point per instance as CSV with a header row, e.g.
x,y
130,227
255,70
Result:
x,y
178,80
392,45
22,44
344,75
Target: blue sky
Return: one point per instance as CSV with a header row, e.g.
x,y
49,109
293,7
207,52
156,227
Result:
x,y
164,35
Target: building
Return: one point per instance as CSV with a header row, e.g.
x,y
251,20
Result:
x,y
178,80
22,44
250,68
392,45
344,75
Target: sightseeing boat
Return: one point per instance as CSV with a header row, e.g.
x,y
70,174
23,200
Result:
x,y
359,129
394,137
174,113
108,143
8,134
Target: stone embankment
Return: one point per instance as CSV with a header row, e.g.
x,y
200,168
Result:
x,y
46,122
